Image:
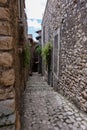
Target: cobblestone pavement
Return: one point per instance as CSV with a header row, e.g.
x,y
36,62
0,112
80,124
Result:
x,y
45,109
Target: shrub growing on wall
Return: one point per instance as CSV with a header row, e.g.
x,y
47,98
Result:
x,y
46,53
39,50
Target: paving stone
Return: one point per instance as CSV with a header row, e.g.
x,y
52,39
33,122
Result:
x,y
83,127
79,119
68,121
44,109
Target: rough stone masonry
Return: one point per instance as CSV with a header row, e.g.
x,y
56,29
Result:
x,y
7,74
13,35
70,18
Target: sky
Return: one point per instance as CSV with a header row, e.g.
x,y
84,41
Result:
x,y
34,10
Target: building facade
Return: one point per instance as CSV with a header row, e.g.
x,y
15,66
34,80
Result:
x,y
65,25
13,36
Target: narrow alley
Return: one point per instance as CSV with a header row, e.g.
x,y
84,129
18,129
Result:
x,y
45,109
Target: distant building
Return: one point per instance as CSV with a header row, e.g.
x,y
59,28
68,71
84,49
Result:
x,y
30,37
39,32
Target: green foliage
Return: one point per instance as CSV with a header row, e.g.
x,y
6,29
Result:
x,y
39,50
26,55
46,52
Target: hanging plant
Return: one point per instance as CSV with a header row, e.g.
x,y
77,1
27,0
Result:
x,y
46,53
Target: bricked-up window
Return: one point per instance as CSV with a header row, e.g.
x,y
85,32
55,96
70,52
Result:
x,y
43,34
55,53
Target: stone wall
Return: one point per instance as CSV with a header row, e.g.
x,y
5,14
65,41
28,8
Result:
x,y
70,17
12,73
7,73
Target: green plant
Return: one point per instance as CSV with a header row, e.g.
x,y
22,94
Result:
x,y
39,50
46,53
26,55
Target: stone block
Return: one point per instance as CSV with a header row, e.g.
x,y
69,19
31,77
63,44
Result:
x,y
5,15
5,28
6,43
6,59
12,127
8,77
7,107
7,93
84,94
3,1
7,112
7,120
